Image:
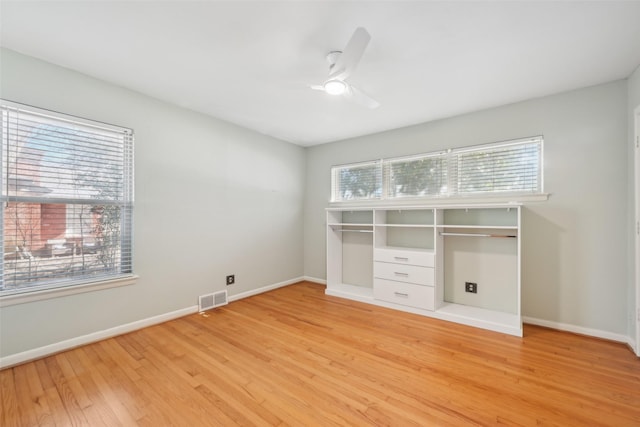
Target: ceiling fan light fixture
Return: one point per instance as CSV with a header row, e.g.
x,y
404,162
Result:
x,y
335,87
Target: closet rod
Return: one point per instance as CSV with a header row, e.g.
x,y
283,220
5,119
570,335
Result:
x,y
477,235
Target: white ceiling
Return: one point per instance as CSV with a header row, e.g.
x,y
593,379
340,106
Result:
x,y
249,63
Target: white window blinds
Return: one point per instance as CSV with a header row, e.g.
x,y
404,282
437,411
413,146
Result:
x,y
359,181
511,167
416,176
67,199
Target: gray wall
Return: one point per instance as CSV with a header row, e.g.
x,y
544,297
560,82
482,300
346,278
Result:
x,y
575,258
211,199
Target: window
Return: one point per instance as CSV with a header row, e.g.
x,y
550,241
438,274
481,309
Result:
x,y
67,200
511,167
417,176
505,168
357,181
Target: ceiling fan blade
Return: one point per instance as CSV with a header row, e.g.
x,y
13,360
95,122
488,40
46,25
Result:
x,y
361,98
351,55
317,87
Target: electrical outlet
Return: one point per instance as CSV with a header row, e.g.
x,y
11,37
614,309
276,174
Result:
x,y
231,279
471,287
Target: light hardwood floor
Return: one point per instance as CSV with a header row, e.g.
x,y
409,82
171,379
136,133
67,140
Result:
x,y
294,356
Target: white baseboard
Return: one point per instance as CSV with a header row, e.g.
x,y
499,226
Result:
x,y
47,350
315,280
578,329
264,289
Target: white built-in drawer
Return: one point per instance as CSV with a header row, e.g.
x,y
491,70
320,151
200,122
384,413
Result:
x,y
404,256
404,293
404,273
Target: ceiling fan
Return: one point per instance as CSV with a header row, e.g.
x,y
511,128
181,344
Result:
x,y
341,65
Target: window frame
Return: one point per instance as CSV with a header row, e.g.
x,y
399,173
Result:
x,y
451,195
51,287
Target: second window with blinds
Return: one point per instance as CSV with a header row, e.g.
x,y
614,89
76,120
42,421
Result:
x,y
508,168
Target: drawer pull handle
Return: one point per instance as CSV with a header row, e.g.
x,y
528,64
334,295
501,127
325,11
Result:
x,y
397,273
400,294
401,258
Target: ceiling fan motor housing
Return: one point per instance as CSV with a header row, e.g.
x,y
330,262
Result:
x,y
332,58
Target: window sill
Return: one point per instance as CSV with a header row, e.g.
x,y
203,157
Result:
x,y
32,296
444,201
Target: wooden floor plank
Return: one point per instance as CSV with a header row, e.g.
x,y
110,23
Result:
x,y
10,411
28,401
66,393
38,405
105,408
295,356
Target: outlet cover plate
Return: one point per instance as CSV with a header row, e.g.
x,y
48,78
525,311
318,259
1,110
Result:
x,y
471,287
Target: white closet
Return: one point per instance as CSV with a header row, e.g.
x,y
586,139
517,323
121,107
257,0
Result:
x,y
420,259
